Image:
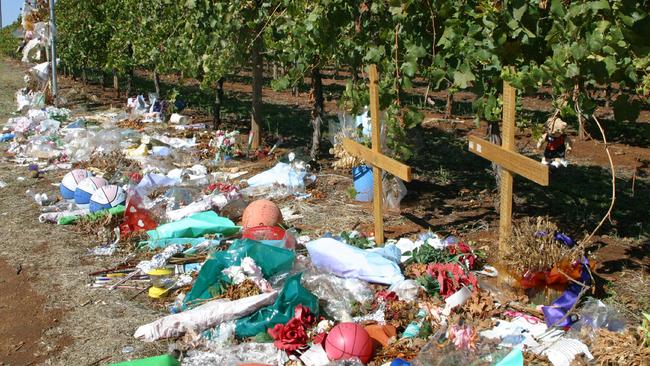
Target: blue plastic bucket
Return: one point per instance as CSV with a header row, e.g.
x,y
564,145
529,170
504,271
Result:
x,y
363,182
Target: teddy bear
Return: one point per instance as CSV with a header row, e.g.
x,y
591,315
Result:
x,y
557,143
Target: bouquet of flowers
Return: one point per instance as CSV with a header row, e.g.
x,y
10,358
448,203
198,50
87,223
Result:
x,y
225,143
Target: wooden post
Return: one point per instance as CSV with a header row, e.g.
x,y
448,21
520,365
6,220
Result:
x,y
376,159
510,161
508,143
378,197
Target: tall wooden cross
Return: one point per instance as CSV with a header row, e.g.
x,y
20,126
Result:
x,y
376,159
510,161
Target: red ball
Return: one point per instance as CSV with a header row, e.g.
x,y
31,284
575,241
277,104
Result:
x,y
348,340
261,213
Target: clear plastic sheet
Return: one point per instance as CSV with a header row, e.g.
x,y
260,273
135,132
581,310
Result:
x,y
263,353
444,353
595,314
339,294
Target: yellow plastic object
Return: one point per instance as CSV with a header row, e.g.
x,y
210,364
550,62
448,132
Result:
x,y
140,151
157,292
160,272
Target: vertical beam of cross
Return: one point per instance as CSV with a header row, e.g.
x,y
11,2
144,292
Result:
x,y
511,163
378,198
508,143
376,159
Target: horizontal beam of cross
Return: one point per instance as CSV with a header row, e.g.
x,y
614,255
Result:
x,y
378,160
510,160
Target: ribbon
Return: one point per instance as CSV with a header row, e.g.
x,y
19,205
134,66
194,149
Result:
x,y
554,314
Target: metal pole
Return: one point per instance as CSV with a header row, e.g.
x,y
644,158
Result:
x,y
0,13
53,51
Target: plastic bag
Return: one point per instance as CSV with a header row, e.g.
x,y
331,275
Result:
x,y
23,100
272,260
282,179
595,314
406,290
394,191
338,294
281,311
195,226
347,261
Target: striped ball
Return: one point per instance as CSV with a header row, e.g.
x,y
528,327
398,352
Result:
x,y
107,197
70,182
86,188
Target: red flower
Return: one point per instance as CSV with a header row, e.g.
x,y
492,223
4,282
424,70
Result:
x,y
386,296
469,259
290,336
136,177
304,315
451,277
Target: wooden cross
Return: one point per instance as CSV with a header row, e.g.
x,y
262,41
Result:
x,y
510,161
376,159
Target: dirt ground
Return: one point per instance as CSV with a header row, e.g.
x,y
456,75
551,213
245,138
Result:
x,y
49,314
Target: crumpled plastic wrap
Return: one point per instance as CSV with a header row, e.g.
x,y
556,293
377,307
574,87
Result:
x,y
338,293
248,270
203,317
262,353
406,290
159,260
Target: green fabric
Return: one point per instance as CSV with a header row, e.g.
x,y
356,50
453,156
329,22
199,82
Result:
x,y
281,311
210,282
115,211
164,360
195,226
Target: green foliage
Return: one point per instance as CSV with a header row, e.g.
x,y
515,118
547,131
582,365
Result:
x,y
575,47
357,240
8,43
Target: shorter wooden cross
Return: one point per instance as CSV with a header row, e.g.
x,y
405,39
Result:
x,y
376,159
510,161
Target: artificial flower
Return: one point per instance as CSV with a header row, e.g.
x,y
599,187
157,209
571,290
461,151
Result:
x,y
290,336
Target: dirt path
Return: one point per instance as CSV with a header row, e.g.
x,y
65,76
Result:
x,y
48,314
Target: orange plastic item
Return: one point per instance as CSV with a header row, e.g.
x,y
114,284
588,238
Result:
x,y
261,213
553,277
381,333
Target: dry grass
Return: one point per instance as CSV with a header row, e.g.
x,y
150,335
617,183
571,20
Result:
x,y
620,348
111,165
527,250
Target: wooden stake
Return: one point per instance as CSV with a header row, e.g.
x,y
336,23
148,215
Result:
x,y
510,161
375,158
508,143
378,197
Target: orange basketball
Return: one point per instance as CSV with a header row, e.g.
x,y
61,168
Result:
x,y
261,213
